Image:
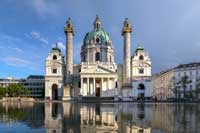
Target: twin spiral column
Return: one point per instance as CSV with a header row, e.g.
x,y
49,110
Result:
x,y
69,32
126,33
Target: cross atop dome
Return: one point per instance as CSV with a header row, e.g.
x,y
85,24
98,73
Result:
x,y
97,23
56,48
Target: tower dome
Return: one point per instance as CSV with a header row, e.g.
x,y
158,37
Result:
x,y
97,45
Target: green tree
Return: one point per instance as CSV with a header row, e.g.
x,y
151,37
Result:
x,y
2,91
173,87
26,92
197,91
14,90
183,82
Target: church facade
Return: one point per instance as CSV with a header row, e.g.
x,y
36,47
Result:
x,y
97,75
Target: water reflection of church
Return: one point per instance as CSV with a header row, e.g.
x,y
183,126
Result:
x,y
91,118
87,118
96,117
110,117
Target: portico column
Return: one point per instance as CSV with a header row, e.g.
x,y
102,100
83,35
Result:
x,y
88,86
94,86
81,91
101,86
108,85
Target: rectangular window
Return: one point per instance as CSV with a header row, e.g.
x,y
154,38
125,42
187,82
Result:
x,y
190,73
179,74
54,70
190,87
184,73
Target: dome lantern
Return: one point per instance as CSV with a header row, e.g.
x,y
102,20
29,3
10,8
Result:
x,y
97,23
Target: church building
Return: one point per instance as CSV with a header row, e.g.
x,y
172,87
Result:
x,y
97,75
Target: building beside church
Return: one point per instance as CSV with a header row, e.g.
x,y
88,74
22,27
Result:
x,y
34,83
170,83
97,75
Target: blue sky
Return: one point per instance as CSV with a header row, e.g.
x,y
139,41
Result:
x,y
169,30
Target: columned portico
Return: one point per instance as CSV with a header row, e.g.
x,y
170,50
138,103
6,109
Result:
x,y
97,86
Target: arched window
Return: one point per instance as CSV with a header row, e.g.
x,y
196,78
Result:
x,y
141,57
110,59
141,87
97,26
116,85
54,57
97,40
97,56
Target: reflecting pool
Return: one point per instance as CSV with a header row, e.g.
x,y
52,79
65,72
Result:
x,y
73,117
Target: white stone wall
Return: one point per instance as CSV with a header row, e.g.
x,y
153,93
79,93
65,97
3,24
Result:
x,y
141,64
89,52
147,87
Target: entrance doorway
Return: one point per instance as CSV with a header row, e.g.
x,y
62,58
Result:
x,y
97,88
54,92
141,91
97,92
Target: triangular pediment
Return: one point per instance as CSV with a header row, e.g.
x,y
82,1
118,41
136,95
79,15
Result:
x,y
97,70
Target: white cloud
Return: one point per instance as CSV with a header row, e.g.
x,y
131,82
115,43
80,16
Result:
x,y
44,40
45,8
61,45
17,62
35,34
19,50
38,36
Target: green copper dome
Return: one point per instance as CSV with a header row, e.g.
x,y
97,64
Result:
x,y
139,47
94,34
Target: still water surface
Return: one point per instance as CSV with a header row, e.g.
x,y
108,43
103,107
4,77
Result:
x,y
99,117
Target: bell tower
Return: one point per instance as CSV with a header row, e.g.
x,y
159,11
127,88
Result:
x,y
126,33
69,32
